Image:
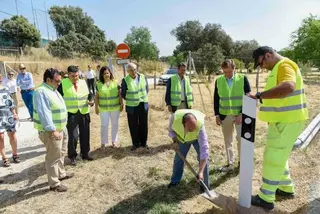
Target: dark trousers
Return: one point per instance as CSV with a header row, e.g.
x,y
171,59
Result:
x,y
27,96
90,83
138,125
78,125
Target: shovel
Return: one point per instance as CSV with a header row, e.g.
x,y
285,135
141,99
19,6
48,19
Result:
x,y
202,184
227,203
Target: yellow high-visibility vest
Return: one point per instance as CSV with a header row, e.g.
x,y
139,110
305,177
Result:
x,y
230,97
136,93
175,90
76,100
108,96
292,108
179,129
58,109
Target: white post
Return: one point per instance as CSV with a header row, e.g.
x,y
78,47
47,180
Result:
x,y
110,65
247,150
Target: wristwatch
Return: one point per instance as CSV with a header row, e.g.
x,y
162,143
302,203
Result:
x,y
258,96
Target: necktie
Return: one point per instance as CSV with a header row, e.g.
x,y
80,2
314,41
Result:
x,y
75,86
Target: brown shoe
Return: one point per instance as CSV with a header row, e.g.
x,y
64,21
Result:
x,y
60,188
68,175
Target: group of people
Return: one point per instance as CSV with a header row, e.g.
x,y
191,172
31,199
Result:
x,y
61,114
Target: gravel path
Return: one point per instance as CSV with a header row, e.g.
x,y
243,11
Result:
x,y
31,152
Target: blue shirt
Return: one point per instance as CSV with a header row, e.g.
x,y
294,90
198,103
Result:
x,y
25,81
229,81
42,103
124,89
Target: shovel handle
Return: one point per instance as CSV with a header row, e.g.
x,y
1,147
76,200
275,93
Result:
x,y
194,173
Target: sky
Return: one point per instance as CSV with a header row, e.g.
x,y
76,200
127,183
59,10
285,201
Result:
x,y
269,22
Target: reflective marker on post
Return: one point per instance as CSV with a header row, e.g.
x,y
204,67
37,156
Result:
x,y
247,150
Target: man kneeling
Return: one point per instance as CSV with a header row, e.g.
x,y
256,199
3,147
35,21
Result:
x,y
186,128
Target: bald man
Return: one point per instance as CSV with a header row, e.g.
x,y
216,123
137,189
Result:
x,y
134,90
186,128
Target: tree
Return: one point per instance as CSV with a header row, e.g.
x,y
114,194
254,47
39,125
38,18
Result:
x,y
239,64
211,59
243,50
23,33
189,34
71,22
175,60
306,40
215,35
111,46
141,46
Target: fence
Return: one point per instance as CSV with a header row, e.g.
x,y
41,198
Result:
x,y
5,51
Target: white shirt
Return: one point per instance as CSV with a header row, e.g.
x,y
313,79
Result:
x,y
182,82
11,84
90,74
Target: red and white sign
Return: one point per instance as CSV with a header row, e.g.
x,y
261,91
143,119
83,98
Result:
x,y
123,51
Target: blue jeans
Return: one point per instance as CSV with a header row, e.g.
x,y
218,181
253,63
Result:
x,y
178,163
27,97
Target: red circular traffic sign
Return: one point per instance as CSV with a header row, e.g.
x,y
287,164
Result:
x,y
123,51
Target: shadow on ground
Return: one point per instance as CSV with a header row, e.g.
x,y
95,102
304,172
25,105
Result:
x,y
26,149
122,152
156,198
29,174
21,195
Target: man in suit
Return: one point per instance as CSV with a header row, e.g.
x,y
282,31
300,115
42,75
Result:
x,y
134,90
77,98
179,91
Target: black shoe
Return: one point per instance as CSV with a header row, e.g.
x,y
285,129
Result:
x,y
146,147
257,201
284,194
133,148
172,185
88,158
73,161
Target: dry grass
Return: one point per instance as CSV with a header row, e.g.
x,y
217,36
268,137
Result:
x,y
121,181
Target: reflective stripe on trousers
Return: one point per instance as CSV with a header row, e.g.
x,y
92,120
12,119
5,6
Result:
x,y
275,171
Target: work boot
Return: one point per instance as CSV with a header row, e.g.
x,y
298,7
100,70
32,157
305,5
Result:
x,y
68,175
60,188
284,194
257,201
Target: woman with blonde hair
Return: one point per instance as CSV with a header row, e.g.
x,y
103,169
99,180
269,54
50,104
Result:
x,y
108,104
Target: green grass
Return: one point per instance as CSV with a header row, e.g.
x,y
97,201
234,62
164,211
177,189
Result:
x,y
158,199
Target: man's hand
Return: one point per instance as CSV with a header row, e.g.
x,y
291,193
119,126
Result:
x,y
91,102
218,121
169,108
252,96
97,111
175,145
121,107
200,176
238,120
56,135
